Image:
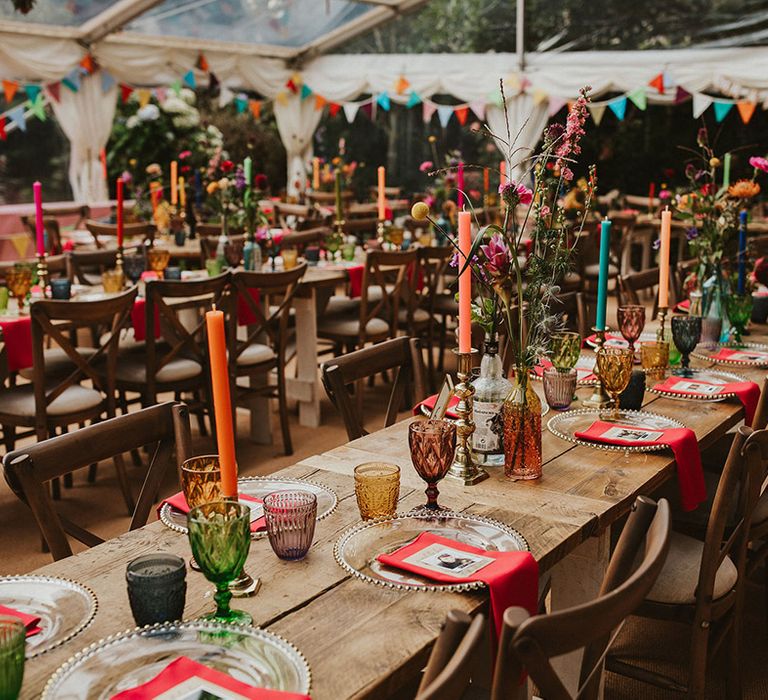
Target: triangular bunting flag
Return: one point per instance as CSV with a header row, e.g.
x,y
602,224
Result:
x,y
189,79
160,93
225,96
555,105
241,103
38,108
72,81
17,117
176,87
681,95
282,98
350,110
54,90
383,101
107,81
512,83
700,104
722,109
497,98
524,84
461,114
367,109
255,107
87,64
32,91
597,112
9,88
539,96
291,86
746,110
401,85
639,98
334,108
202,63
619,107
125,92
413,100
478,107
306,91
658,83
3,135
444,114
320,102
427,110
143,96
20,243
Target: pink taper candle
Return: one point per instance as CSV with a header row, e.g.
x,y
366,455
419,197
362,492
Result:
x,y
120,212
37,191
666,233
465,283
381,198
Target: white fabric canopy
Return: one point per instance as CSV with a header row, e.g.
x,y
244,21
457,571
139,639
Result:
x,y
297,120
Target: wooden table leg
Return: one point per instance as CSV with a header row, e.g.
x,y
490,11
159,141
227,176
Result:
x,y
261,418
305,387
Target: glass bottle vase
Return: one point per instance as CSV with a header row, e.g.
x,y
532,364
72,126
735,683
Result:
x,y
521,414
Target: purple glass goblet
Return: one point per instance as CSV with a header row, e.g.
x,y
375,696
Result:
x,y
433,444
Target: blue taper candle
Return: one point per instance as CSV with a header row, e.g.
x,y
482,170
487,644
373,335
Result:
x,y
742,250
602,280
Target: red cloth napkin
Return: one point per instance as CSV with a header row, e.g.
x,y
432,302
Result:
x,y
31,622
355,274
179,502
512,577
683,443
610,339
429,404
747,392
17,334
584,368
139,319
684,306
184,670
747,355
245,315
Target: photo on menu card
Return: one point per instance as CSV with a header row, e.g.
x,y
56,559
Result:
x,y
197,689
632,434
447,560
698,388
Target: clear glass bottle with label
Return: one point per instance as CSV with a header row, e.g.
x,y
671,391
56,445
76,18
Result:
x,y
491,388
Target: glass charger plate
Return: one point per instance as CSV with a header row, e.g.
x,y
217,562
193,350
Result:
x,y
704,352
614,339
65,608
134,657
710,376
566,425
356,550
585,366
258,487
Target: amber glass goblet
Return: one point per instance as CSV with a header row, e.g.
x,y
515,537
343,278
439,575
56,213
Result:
x,y
566,348
433,444
158,259
19,282
686,334
631,320
615,368
201,480
654,357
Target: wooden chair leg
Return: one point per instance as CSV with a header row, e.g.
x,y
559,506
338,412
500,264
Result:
x,y
9,438
282,403
125,486
200,415
697,664
734,685
68,480
92,469
430,360
56,489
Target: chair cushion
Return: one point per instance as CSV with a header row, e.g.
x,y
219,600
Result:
x,y
134,370
128,342
678,579
349,326
57,362
254,354
594,270
341,305
419,316
445,304
20,401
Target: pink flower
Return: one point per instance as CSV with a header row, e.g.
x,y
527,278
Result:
x,y
664,194
497,259
574,130
759,163
426,166
184,155
544,212
514,193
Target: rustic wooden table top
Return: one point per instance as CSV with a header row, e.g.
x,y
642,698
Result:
x,y
363,640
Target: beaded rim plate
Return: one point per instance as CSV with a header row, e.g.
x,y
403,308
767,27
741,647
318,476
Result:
x,y
518,542
289,651
712,349
632,418
615,339
701,375
38,643
579,382
258,485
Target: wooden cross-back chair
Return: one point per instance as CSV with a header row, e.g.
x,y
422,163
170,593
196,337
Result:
x,y
86,267
303,237
145,231
455,655
28,470
328,199
298,217
572,308
264,347
528,643
361,227
433,261
403,355
703,582
631,285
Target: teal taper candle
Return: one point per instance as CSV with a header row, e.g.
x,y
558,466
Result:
x,y
602,280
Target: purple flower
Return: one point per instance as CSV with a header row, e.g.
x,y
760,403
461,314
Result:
x,y
126,177
239,178
691,232
657,244
498,262
514,193
759,163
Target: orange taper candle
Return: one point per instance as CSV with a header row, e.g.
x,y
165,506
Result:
x,y
174,182
465,283
666,234
222,406
382,200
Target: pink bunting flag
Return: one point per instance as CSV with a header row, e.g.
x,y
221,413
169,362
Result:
x,y
428,109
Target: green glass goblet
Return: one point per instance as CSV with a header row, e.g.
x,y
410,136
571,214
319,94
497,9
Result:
x,y
566,348
739,309
220,537
12,643
686,333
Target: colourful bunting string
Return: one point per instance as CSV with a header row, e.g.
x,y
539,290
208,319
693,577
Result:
x,y
320,102
282,98
176,87
32,91
202,63
144,96
367,109
619,107
597,112
658,83
9,88
427,110
87,64
125,92
291,86
401,85
107,81
539,96
334,108
383,101
461,114
746,110
639,98
255,107
17,117
444,114
496,98
478,108
37,108
161,93
413,100
189,79
241,103
305,92
681,95
350,110
722,109
700,104
72,80
555,105
54,90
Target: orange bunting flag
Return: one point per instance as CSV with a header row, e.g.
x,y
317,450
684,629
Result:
x,y
202,63
658,83
9,88
320,102
461,114
255,107
746,110
88,64
144,97
125,92
401,85
334,109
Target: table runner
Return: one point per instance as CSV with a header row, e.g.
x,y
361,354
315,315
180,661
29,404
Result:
x,y
747,392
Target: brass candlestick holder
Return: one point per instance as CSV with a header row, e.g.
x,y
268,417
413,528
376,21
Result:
x,y
464,467
663,310
119,259
42,273
599,398
381,231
